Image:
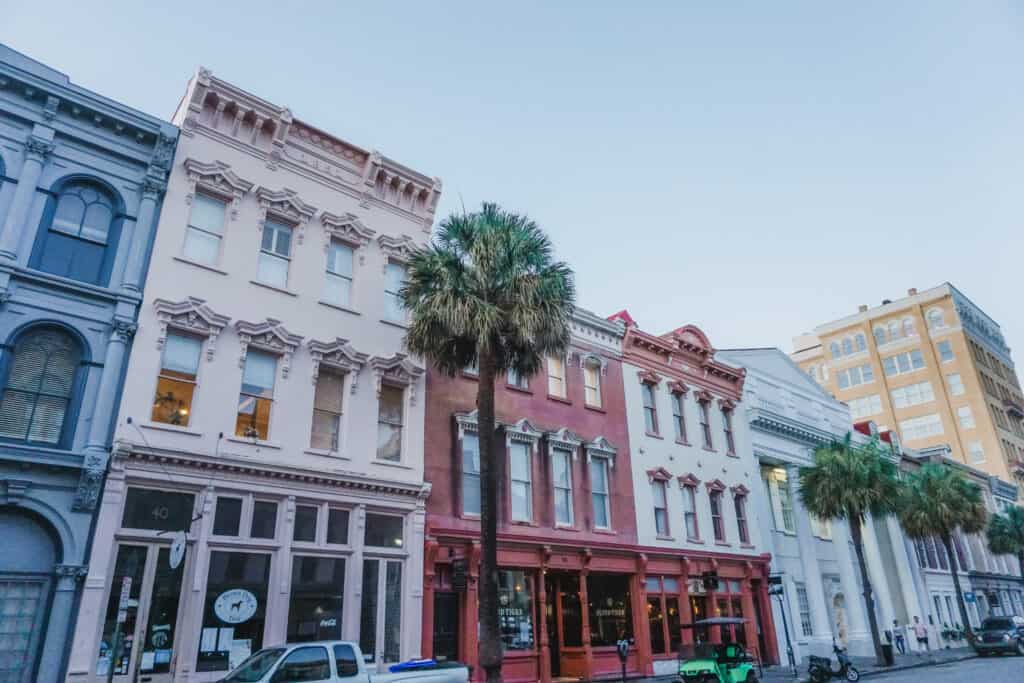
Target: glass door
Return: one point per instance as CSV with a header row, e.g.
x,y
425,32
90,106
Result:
x,y
141,618
380,617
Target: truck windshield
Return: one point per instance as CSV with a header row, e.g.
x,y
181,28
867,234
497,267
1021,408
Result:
x,y
254,668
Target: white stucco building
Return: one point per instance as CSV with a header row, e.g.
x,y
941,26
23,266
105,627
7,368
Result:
x,y
789,416
270,415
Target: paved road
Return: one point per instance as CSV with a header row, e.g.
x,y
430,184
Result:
x,y
992,670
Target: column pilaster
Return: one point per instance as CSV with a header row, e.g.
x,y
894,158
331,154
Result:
x,y
809,560
37,150
145,219
59,628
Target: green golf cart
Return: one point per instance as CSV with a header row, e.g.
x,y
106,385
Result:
x,y
716,662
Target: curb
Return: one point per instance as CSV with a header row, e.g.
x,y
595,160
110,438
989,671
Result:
x,y
903,667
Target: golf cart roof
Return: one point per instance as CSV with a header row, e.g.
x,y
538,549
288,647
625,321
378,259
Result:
x,y
717,621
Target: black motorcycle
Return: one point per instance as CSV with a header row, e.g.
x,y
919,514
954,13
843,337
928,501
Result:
x,y
821,670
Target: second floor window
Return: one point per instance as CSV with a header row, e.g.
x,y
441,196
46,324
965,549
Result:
x,y
705,423
650,408
40,382
660,508
517,380
592,382
522,482
470,474
394,276
327,405
556,377
389,423
690,512
176,383
717,524
275,254
740,502
205,229
945,350
678,416
561,475
80,235
730,443
599,492
338,288
256,396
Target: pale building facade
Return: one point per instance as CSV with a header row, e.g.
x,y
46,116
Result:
x,y
790,416
932,366
271,423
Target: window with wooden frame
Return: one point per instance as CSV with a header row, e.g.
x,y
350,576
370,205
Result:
x,y
650,407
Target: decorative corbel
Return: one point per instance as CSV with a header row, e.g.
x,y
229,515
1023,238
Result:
x,y
338,354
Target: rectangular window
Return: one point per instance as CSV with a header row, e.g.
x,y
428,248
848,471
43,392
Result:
x,y
599,492
275,254
705,423
690,513
247,574
865,406
305,524
611,613
338,286
522,482
592,384
785,504
945,350
337,526
561,473
264,519
977,452
660,508
678,417
740,502
317,599
176,383
956,385
389,423
394,278
804,605
517,380
515,614
901,363
205,229
913,395
730,444
470,474
965,416
717,523
327,404
855,376
384,531
556,377
921,427
821,528
650,408
381,606
227,516
256,396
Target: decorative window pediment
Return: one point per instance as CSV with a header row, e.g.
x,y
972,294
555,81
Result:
x,y
271,336
688,480
593,358
398,249
193,316
522,432
564,438
739,490
284,205
715,485
467,422
397,370
337,354
649,377
346,228
600,448
216,178
658,474
676,387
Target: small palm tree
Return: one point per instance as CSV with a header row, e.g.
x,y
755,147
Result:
x,y
848,482
1006,533
488,291
936,502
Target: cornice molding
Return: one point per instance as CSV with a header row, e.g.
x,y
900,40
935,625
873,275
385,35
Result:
x,y
600,447
523,431
271,336
715,485
688,480
191,315
346,228
566,439
397,248
217,178
396,370
284,205
339,354
658,474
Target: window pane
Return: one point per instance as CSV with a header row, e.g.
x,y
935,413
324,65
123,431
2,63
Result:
x,y
394,275
264,519
253,421
258,377
130,563
315,609
520,457
389,442
227,516
181,354
207,214
600,503
339,260
470,474
610,609
305,523
304,664
338,290
239,582
368,609
201,247
273,270
391,404
69,213
384,531
515,595
655,620
560,468
393,612
337,526
96,223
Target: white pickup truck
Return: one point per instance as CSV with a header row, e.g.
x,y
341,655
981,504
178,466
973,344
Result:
x,y
335,661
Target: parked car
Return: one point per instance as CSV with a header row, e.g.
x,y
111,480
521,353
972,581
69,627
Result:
x,y
336,661
1000,634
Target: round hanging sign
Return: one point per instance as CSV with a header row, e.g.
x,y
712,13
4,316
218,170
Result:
x,y
235,606
177,550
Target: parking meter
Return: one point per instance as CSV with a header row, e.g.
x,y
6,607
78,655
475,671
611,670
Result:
x,y
622,647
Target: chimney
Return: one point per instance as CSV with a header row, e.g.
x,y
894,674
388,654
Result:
x,y
862,308
912,291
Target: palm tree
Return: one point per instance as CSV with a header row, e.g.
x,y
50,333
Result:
x,y
1006,533
935,502
848,482
488,291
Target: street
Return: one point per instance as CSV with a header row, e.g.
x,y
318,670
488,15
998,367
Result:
x,y
994,670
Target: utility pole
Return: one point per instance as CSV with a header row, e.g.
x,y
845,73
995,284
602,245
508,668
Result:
x,y
775,588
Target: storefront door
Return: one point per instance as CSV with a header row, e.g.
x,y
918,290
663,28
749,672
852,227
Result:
x,y
565,617
142,615
446,625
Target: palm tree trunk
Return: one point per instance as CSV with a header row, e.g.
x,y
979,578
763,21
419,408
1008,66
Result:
x,y
869,601
490,651
947,541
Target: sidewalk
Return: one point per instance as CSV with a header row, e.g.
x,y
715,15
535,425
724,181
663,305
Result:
x,y
867,668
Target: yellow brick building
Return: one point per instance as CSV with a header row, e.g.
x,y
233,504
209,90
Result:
x,y
933,367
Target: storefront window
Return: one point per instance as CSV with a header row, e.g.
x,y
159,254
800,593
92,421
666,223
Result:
x,y
663,614
383,531
227,517
234,611
318,585
264,519
158,640
116,645
337,526
610,608
381,605
305,523
655,618
515,609
157,510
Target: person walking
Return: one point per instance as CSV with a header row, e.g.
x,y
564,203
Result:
x,y
897,632
921,633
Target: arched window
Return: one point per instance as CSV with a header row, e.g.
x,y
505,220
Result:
x,y
879,335
908,327
862,343
78,236
847,346
834,348
39,382
936,319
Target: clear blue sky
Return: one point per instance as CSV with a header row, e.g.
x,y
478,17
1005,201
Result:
x,y
755,169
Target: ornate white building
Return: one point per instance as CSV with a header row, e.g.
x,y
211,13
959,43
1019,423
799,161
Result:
x,y
271,420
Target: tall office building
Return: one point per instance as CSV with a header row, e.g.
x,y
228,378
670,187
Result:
x,y
932,366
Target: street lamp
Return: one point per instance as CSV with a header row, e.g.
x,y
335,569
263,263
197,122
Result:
x,y
775,588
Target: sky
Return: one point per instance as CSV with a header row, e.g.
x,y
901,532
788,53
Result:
x,y
754,168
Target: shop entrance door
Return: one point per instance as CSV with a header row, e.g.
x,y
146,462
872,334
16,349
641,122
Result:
x,y
446,626
565,619
142,615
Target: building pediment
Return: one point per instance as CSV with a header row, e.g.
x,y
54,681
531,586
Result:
x,y
600,448
564,438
